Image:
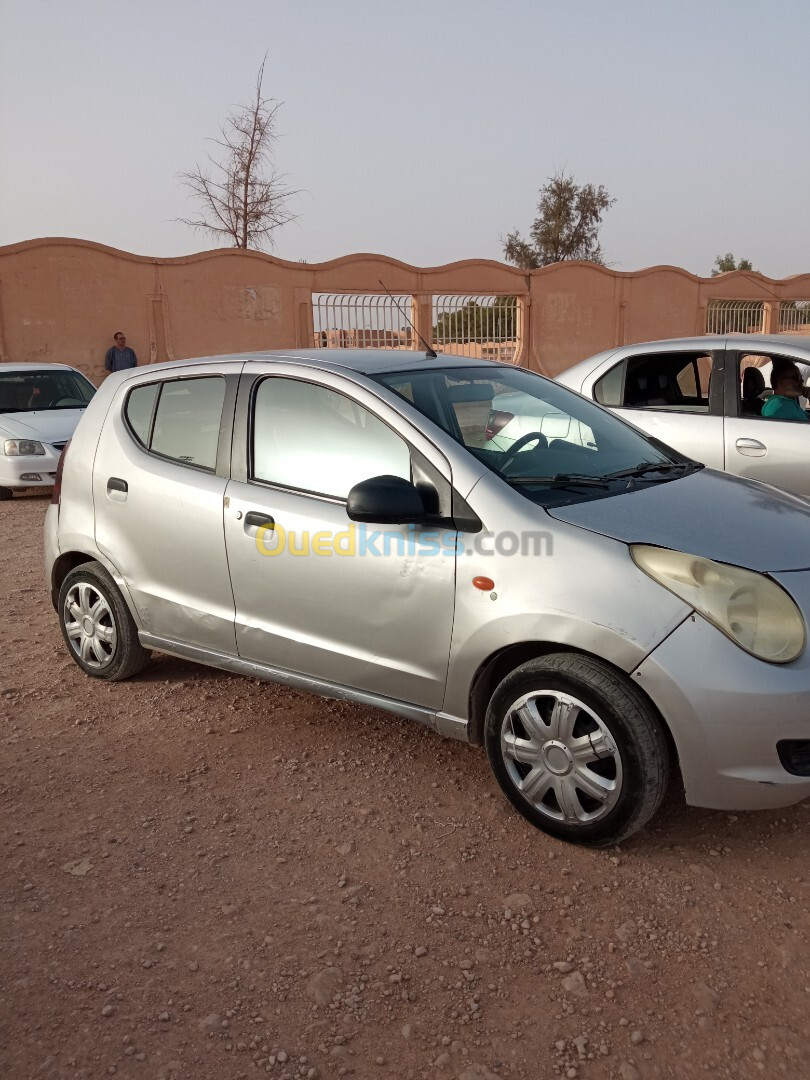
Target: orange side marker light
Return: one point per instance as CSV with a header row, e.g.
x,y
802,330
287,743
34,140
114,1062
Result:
x,y
485,584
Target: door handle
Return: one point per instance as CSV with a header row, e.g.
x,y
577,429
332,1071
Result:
x,y
257,518
751,447
115,483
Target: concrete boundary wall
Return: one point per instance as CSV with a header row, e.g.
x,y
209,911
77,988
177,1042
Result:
x,y
61,300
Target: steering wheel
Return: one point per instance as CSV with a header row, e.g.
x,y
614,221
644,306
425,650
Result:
x,y
71,401
517,446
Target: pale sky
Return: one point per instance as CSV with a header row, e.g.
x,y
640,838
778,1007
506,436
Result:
x,y
419,130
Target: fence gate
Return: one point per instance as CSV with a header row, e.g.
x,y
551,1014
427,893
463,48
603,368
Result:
x,y
361,321
487,327
735,317
482,326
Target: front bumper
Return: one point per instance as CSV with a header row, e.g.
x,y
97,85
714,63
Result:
x,y
727,711
18,472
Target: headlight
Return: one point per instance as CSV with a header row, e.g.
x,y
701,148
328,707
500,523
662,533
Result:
x,y
755,612
23,448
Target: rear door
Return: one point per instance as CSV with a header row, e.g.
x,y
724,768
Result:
x,y
674,395
761,447
159,480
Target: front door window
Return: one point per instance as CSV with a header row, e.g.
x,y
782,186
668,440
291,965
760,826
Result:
x,y
309,438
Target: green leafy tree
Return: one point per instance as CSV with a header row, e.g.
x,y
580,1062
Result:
x,y
569,217
723,264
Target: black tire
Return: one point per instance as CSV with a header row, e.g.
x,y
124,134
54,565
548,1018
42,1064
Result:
x,y
5,493
113,651
616,747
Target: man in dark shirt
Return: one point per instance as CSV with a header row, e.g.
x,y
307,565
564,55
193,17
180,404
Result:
x,y
120,356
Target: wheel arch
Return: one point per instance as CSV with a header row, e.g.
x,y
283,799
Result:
x,y
499,664
62,566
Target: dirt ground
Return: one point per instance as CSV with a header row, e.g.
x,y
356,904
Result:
x,y
210,878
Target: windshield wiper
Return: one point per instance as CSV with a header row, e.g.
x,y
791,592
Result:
x,y
560,480
646,467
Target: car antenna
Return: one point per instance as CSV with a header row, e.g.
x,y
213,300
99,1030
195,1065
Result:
x,y
429,352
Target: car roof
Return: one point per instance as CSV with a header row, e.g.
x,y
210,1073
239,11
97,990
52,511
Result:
x,y
368,362
728,341
751,343
34,366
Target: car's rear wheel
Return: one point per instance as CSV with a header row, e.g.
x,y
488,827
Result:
x,y
577,749
97,626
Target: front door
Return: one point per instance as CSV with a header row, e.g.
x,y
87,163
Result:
x,y
367,607
762,447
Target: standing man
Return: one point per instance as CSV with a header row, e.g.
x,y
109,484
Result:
x,y
120,356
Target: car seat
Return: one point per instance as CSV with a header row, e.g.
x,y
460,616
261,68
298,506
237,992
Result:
x,y
648,390
753,384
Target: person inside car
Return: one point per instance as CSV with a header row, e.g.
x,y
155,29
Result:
x,y
787,384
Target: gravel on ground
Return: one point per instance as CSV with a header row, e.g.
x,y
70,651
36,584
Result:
x,y
212,878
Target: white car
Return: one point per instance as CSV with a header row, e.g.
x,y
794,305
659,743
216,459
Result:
x,y
40,406
704,396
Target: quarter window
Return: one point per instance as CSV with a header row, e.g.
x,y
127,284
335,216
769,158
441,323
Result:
x,y
187,417
312,439
139,408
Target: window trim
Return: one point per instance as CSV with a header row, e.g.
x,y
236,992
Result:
x,y
250,414
223,451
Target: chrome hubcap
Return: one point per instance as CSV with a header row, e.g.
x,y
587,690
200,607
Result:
x,y
561,757
90,625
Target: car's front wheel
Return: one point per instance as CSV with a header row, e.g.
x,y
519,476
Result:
x,y
5,493
97,626
577,749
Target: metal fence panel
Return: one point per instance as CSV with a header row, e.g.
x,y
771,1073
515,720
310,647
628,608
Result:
x,y
362,321
482,326
734,316
794,317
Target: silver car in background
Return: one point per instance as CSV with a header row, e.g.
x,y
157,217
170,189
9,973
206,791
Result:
x,y
40,405
593,607
704,396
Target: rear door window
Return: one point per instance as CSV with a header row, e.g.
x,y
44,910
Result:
x,y
179,419
676,382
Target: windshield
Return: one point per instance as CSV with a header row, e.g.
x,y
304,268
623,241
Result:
x,y
38,390
553,445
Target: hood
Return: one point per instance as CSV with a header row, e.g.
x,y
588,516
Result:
x,y
48,426
712,514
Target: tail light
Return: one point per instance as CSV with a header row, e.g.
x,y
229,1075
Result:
x,y
497,422
56,496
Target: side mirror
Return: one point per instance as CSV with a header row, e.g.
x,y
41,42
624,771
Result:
x,y
385,500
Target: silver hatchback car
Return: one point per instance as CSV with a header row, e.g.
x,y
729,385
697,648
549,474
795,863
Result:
x,y
592,606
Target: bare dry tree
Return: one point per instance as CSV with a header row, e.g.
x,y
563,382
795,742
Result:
x,y
242,197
